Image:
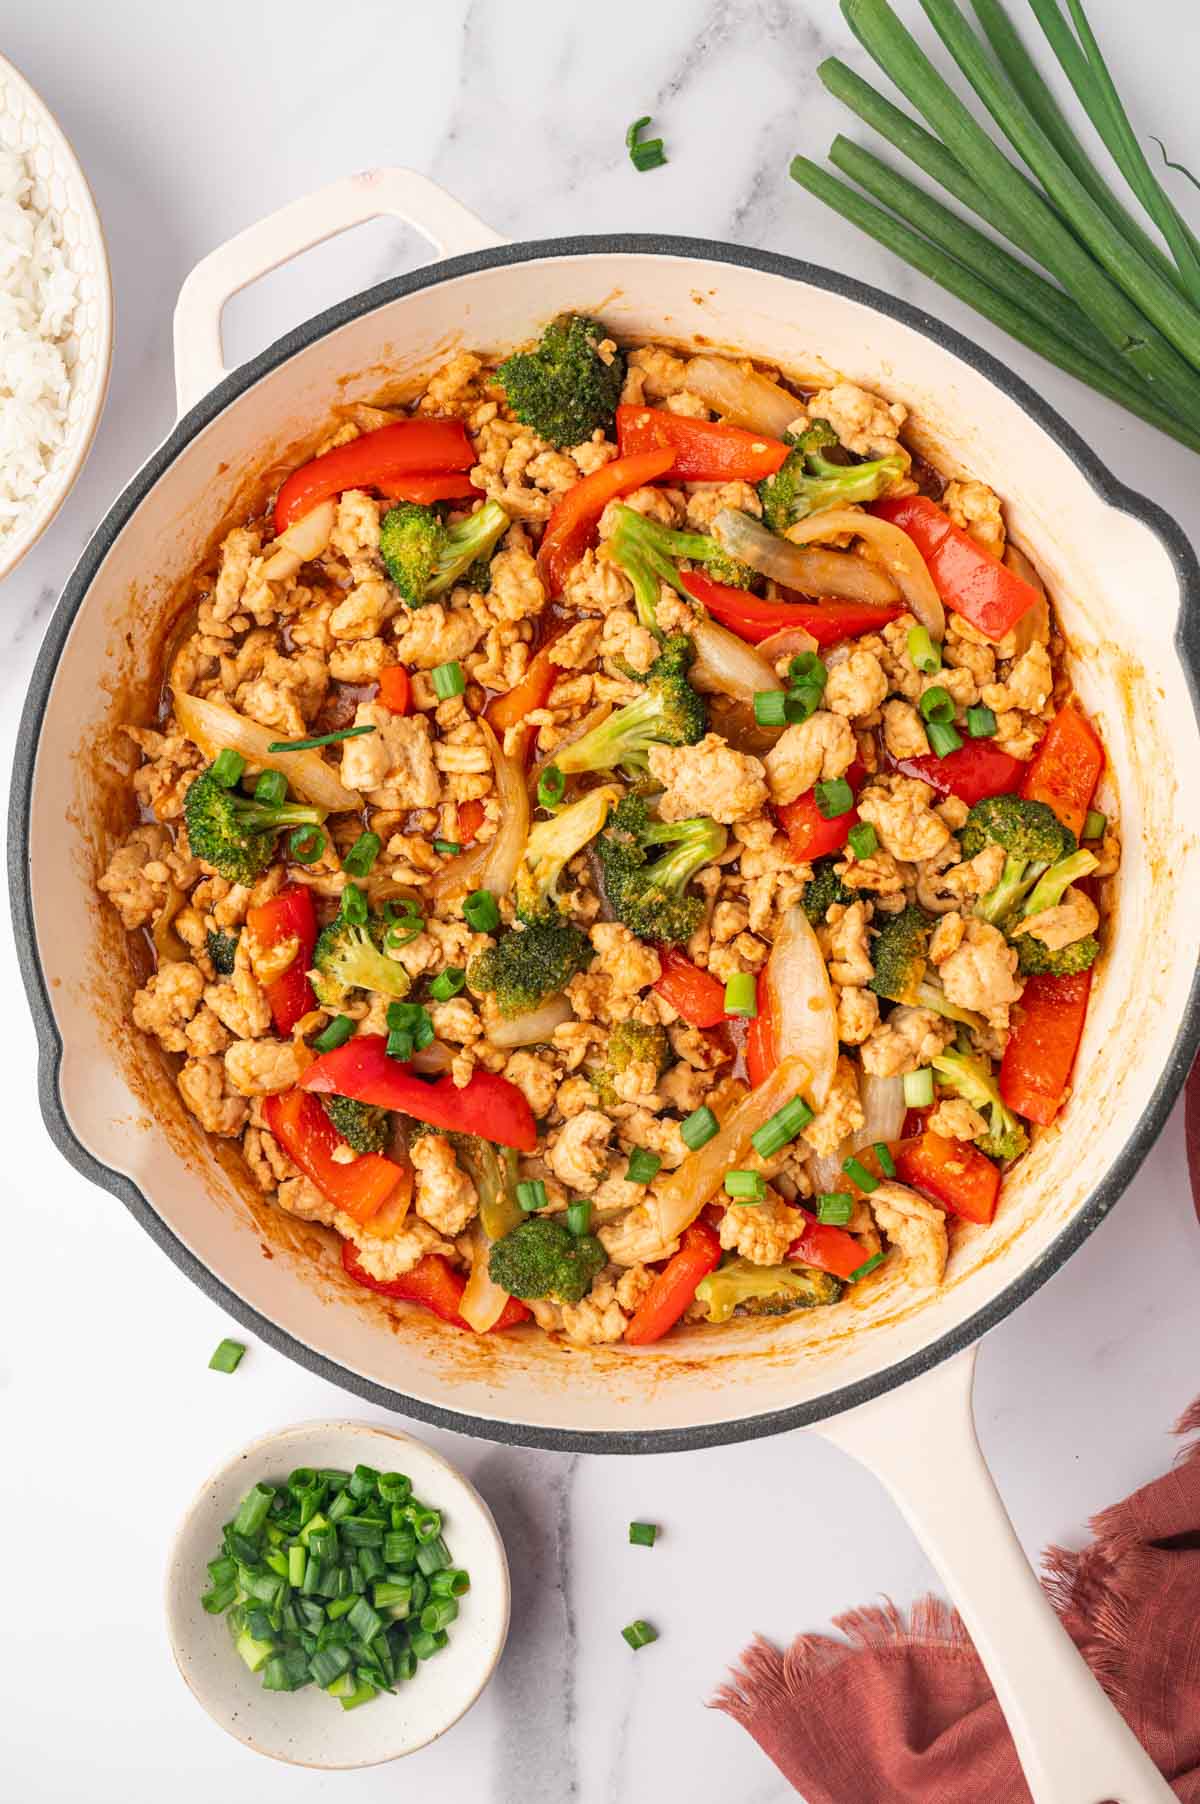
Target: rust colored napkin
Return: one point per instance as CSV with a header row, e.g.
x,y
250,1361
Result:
x,y
901,1711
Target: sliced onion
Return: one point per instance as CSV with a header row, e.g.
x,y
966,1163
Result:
x,y
743,396
1035,621
787,643
726,665
392,1214
536,1026
215,726
810,570
167,943
494,864
482,1302
680,1197
889,547
432,1060
803,1009
884,1109
305,539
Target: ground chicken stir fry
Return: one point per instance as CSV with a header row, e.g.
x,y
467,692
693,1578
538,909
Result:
x,y
578,921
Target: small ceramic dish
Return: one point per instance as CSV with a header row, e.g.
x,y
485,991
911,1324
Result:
x,y
60,188
307,1727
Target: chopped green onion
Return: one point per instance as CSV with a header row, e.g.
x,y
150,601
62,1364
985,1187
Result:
x,y
227,768
770,707
863,840
1096,824
220,1597
803,700
921,649
404,922
551,787
308,745
480,911
410,1021
835,1207
642,1534
981,722
746,1186
531,1194
447,848
448,983
271,789
782,1128
354,905
644,153
306,844
339,1030
579,1219
297,1562
227,1357
918,1088
452,1581
643,1166
868,1265
699,1128
439,1612
943,739
252,1511
639,1634
362,855
448,679
937,704
807,668
741,995
833,798
883,1153
866,1180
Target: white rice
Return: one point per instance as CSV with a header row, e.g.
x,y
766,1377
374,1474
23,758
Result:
x,y
37,304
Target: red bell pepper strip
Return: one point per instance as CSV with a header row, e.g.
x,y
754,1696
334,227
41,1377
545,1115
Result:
x,y
969,579
488,1105
675,1286
953,1172
309,1139
434,1284
809,834
409,447
456,486
705,450
395,688
470,817
761,1053
698,997
1066,768
573,521
288,915
510,709
754,619
1048,1025
977,769
829,1249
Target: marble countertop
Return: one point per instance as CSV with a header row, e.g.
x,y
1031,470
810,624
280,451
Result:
x,y
193,120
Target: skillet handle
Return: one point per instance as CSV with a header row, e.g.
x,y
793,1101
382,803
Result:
x,y
449,226
920,1443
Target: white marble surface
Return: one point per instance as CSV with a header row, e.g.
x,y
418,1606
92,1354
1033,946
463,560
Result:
x,y
192,120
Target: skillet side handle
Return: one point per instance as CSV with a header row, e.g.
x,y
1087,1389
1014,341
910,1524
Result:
x,y
920,1442
449,226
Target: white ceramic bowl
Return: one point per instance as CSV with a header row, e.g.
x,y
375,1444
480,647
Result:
x,y
307,1728
60,187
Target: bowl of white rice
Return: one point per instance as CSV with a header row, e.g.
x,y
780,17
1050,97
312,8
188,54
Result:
x,y
56,317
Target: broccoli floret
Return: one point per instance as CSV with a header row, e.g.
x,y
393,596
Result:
x,y
1037,959
361,1125
1051,886
542,1258
807,482
971,1079
349,955
668,712
649,552
478,576
1031,837
822,890
235,834
222,950
899,955
552,844
647,893
630,1043
563,388
528,964
741,1288
424,557
494,1171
